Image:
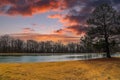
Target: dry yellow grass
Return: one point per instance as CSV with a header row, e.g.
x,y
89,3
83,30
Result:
x,y
99,69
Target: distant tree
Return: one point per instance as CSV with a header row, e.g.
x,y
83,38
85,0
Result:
x,y
32,46
58,47
104,23
5,43
48,46
72,47
18,45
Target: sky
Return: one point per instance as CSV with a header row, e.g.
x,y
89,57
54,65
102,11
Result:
x,y
45,20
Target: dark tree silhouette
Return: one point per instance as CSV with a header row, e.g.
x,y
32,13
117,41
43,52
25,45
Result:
x,y
87,44
5,43
104,23
32,46
12,45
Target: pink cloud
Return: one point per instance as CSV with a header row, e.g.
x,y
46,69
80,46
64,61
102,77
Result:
x,y
45,37
54,16
27,30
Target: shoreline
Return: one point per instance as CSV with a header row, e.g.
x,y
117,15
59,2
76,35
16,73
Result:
x,y
41,54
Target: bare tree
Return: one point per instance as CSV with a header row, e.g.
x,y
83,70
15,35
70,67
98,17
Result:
x,y
104,23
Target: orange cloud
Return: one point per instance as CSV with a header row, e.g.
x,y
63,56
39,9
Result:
x,y
55,16
28,7
73,23
60,31
74,20
45,37
76,30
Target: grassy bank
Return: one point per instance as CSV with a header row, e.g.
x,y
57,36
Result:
x,y
99,69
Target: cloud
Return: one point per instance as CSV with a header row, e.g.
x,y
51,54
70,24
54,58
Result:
x,y
34,24
79,10
31,7
73,13
54,16
27,30
28,7
75,29
74,22
45,37
60,31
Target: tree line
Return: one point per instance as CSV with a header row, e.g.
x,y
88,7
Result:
x,y
11,45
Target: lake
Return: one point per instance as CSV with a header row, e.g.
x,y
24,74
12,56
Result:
x,y
52,58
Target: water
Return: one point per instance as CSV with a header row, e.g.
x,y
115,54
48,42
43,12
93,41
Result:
x,y
52,58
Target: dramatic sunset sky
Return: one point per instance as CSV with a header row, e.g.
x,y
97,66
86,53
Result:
x,y
44,20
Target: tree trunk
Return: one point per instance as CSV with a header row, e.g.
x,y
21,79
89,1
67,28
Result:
x,y
107,43
107,47
106,39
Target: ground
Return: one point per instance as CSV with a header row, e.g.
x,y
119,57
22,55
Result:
x,y
97,69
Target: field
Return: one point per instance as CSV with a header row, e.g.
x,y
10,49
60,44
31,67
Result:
x,y
98,69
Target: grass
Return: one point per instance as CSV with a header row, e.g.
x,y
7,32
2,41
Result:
x,y
97,69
